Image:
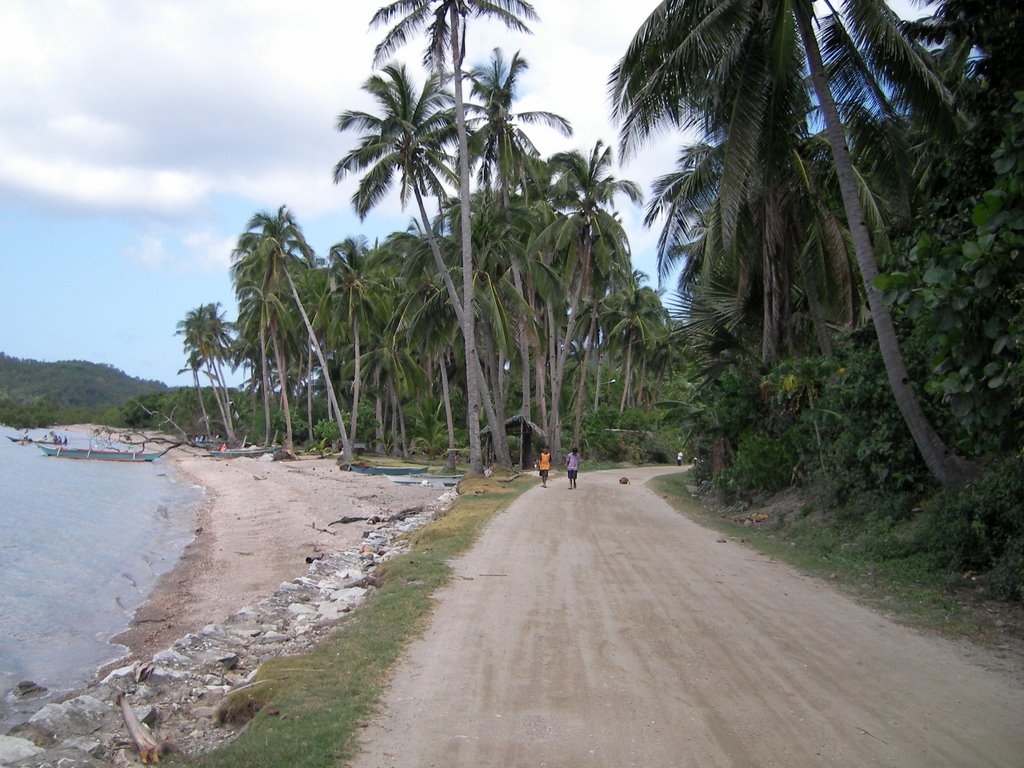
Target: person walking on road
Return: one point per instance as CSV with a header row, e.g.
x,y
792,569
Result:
x,y
572,466
544,465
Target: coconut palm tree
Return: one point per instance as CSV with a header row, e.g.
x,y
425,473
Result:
x,y
445,22
207,340
506,156
352,282
409,139
497,143
724,66
635,316
271,243
592,239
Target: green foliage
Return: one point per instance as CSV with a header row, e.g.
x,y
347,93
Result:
x,y
761,464
981,528
863,444
967,296
637,436
70,383
43,412
326,432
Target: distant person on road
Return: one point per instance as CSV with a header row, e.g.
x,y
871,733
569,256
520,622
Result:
x,y
544,466
679,459
572,466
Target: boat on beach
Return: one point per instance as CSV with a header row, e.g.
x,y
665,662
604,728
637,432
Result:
x,y
234,453
430,481
100,454
364,469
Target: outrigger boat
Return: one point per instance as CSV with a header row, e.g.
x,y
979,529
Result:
x,y
364,469
430,481
101,454
234,453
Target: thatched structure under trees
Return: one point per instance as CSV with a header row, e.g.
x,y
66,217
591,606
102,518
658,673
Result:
x,y
518,426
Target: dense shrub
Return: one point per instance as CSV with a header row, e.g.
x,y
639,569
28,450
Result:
x,y
865,444
981,529
761,464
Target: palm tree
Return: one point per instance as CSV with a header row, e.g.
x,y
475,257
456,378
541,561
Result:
x,y
635,316
498,143
504,153
270,243
587,231
446,33
723,66
348,264
207,341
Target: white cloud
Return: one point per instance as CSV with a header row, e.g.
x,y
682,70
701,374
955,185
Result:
x,y
200,251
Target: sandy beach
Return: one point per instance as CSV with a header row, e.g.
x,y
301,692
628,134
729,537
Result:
x,y
258,523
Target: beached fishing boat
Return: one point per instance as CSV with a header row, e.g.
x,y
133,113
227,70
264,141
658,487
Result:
x,y
364,469
234,453
429,481
98,454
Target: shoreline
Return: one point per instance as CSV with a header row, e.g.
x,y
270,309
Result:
x,y
257,523
265,575
256,526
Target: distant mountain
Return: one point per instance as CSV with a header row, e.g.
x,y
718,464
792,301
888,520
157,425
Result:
x,y
70,383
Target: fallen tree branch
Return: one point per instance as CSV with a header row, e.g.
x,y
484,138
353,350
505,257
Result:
x,y
149,748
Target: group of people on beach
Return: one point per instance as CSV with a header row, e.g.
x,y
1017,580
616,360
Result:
x,y
572,466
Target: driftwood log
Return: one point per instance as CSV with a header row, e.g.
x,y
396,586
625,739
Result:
x,y
372,519
149,748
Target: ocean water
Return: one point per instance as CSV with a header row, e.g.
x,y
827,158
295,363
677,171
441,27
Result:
x,y
82,543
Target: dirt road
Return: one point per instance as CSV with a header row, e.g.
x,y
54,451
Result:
x,y
598,627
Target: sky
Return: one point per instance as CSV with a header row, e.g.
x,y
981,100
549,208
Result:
x,y
138,138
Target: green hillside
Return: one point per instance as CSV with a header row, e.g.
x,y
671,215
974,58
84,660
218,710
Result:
x,y
69,383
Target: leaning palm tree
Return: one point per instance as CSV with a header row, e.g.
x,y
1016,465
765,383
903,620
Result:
x,y
724,66
445,22
264,252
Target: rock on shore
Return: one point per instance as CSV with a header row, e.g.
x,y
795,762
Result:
x,y
178,690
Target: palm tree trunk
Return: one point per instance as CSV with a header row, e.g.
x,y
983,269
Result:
x,y
266,384
522,336
309,396
948,468
211,374
449,420
202,405
473,384
626,384
582,386
378,412
282,375
356,380
346,446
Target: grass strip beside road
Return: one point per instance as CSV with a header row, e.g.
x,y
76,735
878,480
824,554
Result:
x,y
303,711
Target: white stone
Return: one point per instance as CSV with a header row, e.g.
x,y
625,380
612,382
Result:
x,y
13,749
117,674
349,594
170,656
